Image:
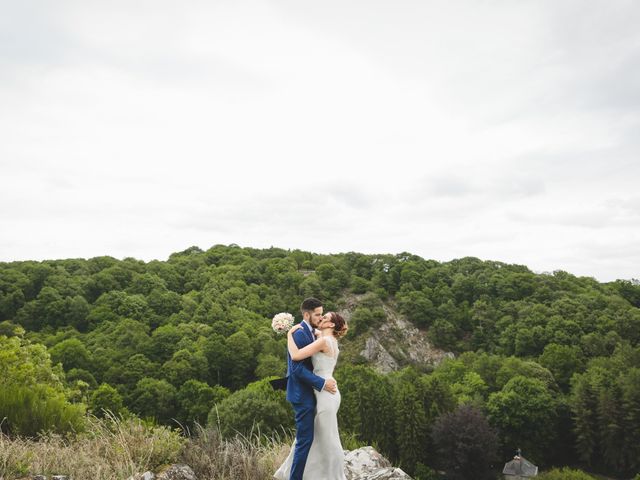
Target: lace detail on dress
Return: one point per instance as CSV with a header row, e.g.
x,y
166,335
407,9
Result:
x,y
333,346
324,363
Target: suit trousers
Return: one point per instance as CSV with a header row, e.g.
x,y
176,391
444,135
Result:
x,y
304,416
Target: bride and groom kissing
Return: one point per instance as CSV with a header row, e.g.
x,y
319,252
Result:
x,y
316,453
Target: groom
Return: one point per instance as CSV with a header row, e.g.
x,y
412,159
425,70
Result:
x,y
300,384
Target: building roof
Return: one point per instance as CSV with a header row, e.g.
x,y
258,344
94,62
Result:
x,y
520,466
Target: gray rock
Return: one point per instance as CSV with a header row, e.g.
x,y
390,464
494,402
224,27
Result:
x,y
374,352
397,342
59,477
39,477
143,476
390,473
176,472
367,464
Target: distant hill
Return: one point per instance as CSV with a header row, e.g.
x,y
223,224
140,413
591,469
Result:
x,y
170,339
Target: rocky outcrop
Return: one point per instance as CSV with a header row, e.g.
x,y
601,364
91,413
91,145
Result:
x,y
367,464
375,353
397,342
172,472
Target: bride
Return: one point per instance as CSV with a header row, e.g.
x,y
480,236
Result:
x,y
326,457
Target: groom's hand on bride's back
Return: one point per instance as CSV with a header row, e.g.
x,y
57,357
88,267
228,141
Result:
x,y
331,386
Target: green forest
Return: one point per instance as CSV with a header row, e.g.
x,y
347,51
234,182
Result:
x,y
548,363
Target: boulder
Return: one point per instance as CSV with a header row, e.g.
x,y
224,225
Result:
x,y
143,476
176,472
367,464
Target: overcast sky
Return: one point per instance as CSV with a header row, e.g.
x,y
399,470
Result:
x,y
505,130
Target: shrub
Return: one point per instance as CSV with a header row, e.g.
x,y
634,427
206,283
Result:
x,y
28,411
255,408
565,473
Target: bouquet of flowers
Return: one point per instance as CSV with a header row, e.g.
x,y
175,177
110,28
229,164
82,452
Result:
x,y
282,322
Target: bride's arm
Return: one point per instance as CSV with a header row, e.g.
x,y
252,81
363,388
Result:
x,y
302,353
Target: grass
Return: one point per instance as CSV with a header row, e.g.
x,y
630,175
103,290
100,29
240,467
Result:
x,y
116,448
252,457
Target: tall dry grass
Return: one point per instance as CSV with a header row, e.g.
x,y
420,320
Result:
x,y
115,448
112,448
252,457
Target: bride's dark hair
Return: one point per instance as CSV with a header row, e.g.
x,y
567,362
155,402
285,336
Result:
x,y
340,329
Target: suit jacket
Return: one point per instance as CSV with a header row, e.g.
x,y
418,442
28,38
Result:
x,y
300,377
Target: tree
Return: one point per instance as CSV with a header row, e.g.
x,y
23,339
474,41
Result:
x,y
411,426
584,404
153,398
364,319
195,399
630,385
471,389
72,353
241,359
417,306
513,366
185,365
136,368
164,302
218,359
525,413
562,361
373,422
443,334
164,342
270,366
256,408
466,444
106,398
78,375
628,289
605,401
484,319
33,397
12,286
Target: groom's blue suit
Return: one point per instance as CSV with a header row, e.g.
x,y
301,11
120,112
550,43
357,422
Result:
x,y
300,384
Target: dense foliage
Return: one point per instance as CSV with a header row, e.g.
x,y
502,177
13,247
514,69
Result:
x,y
551,361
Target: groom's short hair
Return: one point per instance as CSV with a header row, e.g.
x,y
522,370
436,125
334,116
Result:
x,y
310,304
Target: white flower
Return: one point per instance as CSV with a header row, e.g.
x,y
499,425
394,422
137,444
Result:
x,y
282,322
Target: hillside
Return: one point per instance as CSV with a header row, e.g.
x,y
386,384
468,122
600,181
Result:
x,y
551,361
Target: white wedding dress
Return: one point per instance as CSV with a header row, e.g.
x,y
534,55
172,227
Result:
x,y
326,457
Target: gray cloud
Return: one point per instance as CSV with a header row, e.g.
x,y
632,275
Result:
x,y
477,188
563,218
30,35
598,51
502,130
450,186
